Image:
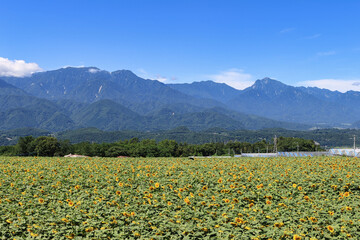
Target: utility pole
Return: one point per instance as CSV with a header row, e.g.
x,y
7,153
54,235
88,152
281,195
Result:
x,y
297,147
275,144
354,146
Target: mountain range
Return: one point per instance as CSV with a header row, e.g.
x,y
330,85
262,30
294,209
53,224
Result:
x,y
72,98
273,99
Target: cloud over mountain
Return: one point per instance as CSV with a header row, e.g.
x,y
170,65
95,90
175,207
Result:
x,y
17,68
340,85
235,78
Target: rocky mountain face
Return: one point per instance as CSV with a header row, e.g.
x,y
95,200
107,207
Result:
x,y
273,99
70,98
92,84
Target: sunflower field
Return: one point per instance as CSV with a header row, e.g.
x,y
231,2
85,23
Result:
x,y
179,198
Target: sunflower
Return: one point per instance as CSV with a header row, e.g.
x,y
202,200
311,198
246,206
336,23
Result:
x,y
226,200
118,193
278,224
239,220
71,236
41,200
330,228
296,237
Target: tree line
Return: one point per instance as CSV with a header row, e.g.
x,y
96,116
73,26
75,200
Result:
x,y
50,146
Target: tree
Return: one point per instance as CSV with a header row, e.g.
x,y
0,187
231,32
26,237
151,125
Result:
x,y
8,150
25,146
116,151
84,148
65,148
46,146
168,148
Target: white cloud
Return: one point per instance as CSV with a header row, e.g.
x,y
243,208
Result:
x,y
340,85
161,79
93,70
69,66
144,74
313,36
17,68
235,78
329,53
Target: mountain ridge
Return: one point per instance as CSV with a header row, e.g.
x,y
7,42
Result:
x,y
275,100
70,98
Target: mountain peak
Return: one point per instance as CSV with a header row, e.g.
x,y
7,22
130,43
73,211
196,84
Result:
x,y
268,80
77,68
70,70
125,73
268,83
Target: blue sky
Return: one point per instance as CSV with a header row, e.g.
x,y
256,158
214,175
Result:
x,y
311,43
